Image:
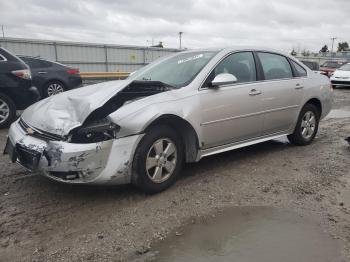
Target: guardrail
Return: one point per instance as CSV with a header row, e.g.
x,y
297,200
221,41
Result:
x,y
104,75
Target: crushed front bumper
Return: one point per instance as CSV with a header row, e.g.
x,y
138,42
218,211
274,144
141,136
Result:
x,y
107,162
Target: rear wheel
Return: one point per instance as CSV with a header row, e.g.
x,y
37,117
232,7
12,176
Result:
x,y
54,88
307,126
158,160
7,111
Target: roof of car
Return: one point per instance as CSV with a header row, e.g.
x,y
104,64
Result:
x,y
237,48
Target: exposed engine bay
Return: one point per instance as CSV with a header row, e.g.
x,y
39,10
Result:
x,y
97,127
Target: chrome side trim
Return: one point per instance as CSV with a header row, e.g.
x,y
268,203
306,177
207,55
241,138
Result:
x,y
228,147
248,115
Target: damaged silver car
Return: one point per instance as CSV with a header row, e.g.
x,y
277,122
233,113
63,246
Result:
x,y
178,109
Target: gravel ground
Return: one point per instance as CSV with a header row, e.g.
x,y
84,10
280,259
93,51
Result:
x,y
41,220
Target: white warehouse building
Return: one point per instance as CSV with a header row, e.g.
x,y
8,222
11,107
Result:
x,y
88,57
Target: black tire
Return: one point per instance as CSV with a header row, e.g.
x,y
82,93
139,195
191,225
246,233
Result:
x,y
50,85
11,115
297,138
140,177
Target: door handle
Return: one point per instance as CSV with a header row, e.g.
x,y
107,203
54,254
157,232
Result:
x,y
42,72
254,92
299,86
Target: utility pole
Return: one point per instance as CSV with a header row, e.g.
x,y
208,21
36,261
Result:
x,y
180,36
150,42
2,29
333,39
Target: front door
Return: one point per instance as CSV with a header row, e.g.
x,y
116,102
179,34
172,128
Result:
x,y
232,113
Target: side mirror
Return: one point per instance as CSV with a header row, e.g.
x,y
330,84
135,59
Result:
x,y
223,79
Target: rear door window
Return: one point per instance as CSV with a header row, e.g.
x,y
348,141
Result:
x,y
44,63
36,63
275,66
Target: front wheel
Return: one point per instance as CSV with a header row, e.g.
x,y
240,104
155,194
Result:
x,y
307,126
158,160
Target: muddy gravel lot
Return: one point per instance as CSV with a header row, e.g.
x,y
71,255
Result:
x,y
41,220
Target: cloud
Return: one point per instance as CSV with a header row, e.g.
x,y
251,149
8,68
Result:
x,y
277,24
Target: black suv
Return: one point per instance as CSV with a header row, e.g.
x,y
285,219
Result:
x,y
16,90
52,78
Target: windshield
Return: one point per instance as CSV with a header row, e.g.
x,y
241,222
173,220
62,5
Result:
x,y
345,67
177,71
332,64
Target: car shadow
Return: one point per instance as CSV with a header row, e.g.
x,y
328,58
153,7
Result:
x,y
193,170
234,156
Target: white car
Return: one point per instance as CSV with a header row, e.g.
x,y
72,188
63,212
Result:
x,y
178,109
341,76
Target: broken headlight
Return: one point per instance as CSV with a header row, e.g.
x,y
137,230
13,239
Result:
x,y
94,131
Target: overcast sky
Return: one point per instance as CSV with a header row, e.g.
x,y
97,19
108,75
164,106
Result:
x,y
279,24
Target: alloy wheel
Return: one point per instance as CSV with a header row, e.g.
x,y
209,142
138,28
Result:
x,y
4,111
54,89
161,160
308,125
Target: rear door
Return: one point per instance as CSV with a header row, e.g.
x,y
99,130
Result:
x,y
282,93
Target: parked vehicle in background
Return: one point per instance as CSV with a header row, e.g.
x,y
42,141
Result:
x,y
341,76
330,66
16,90
178,109
52,78
314,66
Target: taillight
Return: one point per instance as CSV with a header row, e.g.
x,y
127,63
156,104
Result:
x,y
73,71
25,73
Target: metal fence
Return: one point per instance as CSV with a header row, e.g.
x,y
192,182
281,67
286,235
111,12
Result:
x,y
319,58
85,56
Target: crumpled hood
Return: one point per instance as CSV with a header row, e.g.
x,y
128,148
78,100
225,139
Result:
x,y
61,113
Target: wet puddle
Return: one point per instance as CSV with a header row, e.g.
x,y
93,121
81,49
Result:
x,y
248,234
338,113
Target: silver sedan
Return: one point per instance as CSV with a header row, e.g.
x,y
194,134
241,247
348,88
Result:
x,y
178,109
